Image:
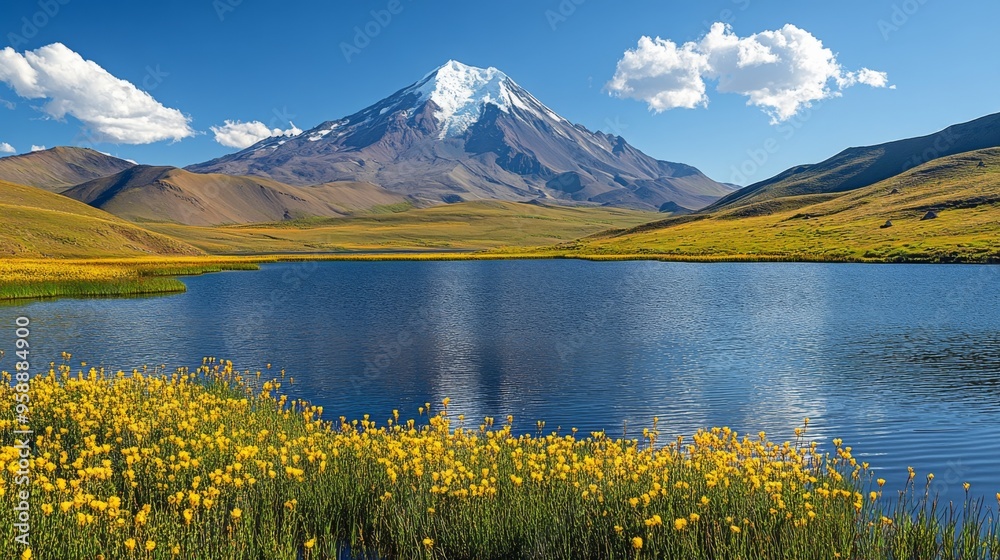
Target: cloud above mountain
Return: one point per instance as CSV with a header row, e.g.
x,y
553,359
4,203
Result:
x,y
781,71
237,134
6,148
112,109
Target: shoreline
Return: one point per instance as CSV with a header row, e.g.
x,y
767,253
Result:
x,y
35,279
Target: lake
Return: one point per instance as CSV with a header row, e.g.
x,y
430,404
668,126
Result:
x,y
901,361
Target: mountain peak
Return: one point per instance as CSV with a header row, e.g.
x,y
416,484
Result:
x,y
467,133
457,66
460,91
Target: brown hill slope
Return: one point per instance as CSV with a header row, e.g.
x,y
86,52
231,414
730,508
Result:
x,y
37,223
169,194
58,169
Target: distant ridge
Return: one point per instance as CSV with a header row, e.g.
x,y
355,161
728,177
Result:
x,y
167,194
855,168
58,169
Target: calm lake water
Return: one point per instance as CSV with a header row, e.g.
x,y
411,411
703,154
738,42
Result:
x,y
901,361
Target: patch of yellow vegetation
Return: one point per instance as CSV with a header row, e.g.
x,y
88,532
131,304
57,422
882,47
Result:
x,y
965,197
40,224
186,464
469,226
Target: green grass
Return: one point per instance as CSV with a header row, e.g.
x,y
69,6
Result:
x,y
846,228
390,208
29,278
91,288
40,224
468,226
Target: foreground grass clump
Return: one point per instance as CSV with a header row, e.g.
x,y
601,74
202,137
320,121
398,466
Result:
x,y
32,278
199,465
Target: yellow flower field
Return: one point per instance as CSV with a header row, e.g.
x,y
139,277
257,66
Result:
x,y
195,464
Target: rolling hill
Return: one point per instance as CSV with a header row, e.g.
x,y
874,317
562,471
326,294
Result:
x,y
37,224
859,167
964,196
168,194
60,168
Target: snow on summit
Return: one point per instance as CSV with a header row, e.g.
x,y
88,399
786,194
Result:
x,y
460,91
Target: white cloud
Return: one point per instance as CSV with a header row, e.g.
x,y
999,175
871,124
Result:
x,y
662,74
6,148
868,77
780,71
113,109
237,134
36,148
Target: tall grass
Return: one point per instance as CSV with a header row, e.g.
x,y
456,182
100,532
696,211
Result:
x,y
200,465
33,278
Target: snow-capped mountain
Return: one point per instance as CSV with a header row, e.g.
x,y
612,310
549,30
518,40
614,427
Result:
x,y
465,133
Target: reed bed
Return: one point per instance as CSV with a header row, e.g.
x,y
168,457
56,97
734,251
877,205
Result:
x,y
34,278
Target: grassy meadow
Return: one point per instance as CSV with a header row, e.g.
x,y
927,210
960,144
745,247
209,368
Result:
x,y
846,227
59,247
187,464
44,225
468,226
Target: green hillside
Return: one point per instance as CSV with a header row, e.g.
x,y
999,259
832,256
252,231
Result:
x,y
849,226
855,168
40,224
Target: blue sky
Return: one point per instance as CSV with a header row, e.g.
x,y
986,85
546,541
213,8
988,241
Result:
x,y
276,62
